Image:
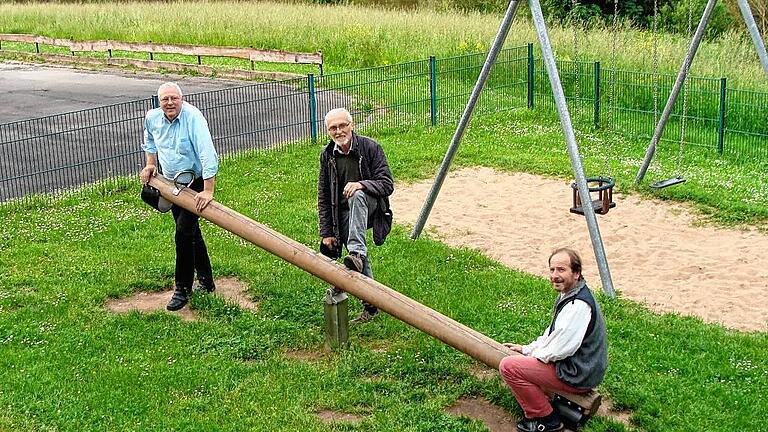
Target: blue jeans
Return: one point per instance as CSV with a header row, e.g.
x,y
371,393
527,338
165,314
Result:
x,y
353,225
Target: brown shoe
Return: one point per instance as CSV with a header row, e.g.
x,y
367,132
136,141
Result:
x,y
355,262
364,317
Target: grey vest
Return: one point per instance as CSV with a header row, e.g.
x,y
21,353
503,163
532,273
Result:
x,y
586,367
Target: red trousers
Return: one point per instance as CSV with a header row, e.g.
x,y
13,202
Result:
x,y
527,377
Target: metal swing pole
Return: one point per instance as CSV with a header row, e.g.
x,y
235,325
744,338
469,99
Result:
x,y
749,20
697,37
573,147
498,43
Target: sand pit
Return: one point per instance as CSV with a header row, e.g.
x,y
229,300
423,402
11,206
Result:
x,y
655,252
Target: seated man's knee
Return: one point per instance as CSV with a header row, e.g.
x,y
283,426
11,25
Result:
x,y
359,195
359,198
509,366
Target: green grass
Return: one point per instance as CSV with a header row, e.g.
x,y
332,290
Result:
x,y
69,365
371,36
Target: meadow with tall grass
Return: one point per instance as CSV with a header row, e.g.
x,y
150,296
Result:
x,y
354,36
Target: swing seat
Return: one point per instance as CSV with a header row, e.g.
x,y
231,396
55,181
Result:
x,y
668,182
604,202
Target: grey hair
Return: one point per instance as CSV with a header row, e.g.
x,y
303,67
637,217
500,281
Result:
x,y
337,111
169,84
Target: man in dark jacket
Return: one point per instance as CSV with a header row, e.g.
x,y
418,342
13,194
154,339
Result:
x,y
353,192
570,356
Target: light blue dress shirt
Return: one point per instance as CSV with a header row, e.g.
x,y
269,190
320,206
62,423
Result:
x,y
182,144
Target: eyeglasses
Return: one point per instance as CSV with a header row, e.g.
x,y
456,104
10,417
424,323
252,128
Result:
x,y
166,99
338,127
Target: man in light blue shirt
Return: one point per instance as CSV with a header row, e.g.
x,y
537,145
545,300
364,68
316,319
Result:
x,y
177,138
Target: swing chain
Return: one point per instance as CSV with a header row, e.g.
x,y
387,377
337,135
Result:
x,y
655,56
611,95
577,89
614,30
685,96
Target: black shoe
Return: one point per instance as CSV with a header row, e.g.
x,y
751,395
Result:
x,y
178,300
355,262
365,316
538,425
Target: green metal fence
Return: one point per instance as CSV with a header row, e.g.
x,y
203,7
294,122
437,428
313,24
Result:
x,y
716,117
427,92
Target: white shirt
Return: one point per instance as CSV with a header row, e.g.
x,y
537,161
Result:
x,y
566,337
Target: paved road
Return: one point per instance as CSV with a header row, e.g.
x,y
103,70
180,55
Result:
x,y
74,144
31,91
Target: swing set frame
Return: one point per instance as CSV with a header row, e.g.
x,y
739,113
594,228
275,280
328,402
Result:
x,y
565,122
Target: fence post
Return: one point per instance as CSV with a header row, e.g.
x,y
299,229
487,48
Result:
x,y
597,94
433,89
312,107
530,75
721,124
155,101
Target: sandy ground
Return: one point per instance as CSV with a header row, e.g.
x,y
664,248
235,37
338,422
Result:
x,y
656,254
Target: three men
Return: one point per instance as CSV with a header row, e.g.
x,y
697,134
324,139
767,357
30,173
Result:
x,y
353,192
177,138
570,356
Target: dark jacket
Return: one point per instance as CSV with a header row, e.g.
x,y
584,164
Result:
x,y
586,367
376,177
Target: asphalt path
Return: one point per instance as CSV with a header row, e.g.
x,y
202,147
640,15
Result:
x,y
31,91
52,139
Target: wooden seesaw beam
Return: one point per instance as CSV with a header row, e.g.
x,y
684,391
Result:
x,y
413,313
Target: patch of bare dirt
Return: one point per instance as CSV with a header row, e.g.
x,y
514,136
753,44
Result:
x,y
607,410
496,419
235,291
148,302
328,416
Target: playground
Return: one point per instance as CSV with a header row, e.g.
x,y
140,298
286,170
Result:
x,y
83,278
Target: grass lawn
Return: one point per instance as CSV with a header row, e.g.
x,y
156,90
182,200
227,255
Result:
x,y
69,365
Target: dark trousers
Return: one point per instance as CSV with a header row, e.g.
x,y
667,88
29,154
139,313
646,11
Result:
x,y
191,252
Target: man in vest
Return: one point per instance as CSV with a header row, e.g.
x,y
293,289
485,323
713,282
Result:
x,y
570,356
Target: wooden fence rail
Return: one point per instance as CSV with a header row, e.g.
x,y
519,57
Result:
x,y
108,46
